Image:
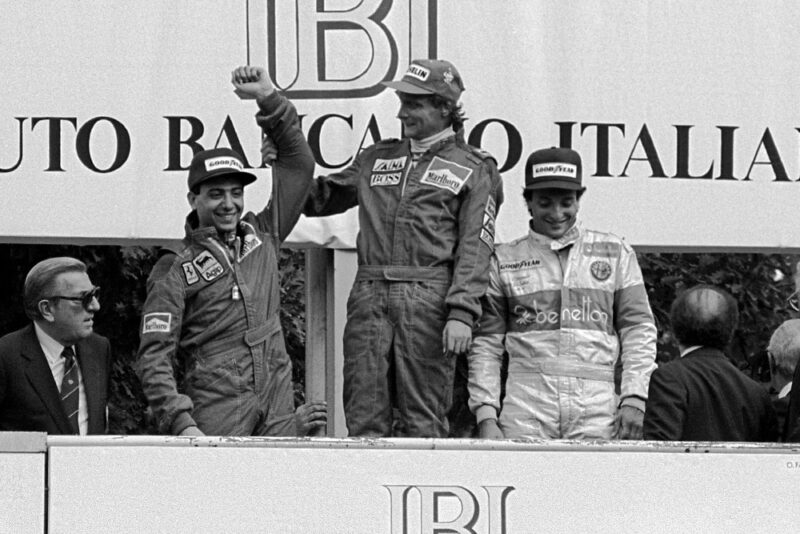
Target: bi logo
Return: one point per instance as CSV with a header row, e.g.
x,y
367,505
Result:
x,y
450,509
317,51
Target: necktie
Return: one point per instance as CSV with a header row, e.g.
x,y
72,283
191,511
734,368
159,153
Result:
x,y
69,388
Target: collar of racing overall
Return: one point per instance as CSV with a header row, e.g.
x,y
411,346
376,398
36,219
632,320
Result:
x,y
194,231
419,147
566,240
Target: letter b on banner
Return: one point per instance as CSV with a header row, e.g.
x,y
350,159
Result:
x,y
314,52
452,509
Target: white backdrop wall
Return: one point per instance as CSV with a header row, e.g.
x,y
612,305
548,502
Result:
x,y
685,112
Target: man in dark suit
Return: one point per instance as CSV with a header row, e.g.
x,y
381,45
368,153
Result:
x,y
792,427
54,373
783,353
702,396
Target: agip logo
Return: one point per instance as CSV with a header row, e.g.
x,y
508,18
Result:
x,y
320,49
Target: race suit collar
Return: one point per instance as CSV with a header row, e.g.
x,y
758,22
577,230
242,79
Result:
x,y
195,232
423,145
566,240
244,242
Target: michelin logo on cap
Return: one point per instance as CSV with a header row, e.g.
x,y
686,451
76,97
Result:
x,y
555,169
223,162
418,72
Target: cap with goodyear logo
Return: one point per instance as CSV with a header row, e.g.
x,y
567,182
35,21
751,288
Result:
x,y
556,168
430,77
214,162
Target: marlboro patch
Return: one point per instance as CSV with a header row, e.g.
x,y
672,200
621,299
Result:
x,y
156,322
208,266
446,175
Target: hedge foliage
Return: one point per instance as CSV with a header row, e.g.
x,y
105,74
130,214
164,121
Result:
x,y
121,272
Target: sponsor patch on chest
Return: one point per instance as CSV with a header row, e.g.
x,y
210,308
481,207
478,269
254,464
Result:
x,y
446,175
601,270
602,249
208,266
519,265
385,179
387,172
389,165
190,273
156,323
250,242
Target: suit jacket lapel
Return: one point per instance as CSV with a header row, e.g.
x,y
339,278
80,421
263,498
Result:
x,y
41,379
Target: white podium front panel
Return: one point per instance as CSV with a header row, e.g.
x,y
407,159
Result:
x,y
22,476
418,486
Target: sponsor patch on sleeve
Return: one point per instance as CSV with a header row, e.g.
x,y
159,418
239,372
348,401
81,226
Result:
x,y
446,175
491,207
208,266
487,231
156,322
190,273
487,237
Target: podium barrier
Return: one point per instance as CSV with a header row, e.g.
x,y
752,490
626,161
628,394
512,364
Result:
x,y
22,482
167,484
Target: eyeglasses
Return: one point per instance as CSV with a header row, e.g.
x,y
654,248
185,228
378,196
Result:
x,y
794,301
85,298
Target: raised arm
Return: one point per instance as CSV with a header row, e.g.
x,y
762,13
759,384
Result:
x,y
285,146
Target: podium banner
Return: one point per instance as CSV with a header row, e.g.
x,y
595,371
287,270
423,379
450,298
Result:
x,y
684,112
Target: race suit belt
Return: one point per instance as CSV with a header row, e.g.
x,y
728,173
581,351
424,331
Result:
x,y
402,273
241,340
557,367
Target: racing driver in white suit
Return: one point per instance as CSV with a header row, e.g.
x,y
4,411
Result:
x,y
565,303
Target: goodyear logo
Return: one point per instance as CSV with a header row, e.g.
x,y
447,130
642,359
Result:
x,y
555,169
223,162
519,265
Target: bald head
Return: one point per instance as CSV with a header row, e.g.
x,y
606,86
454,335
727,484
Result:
x,y
784,346
704,315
